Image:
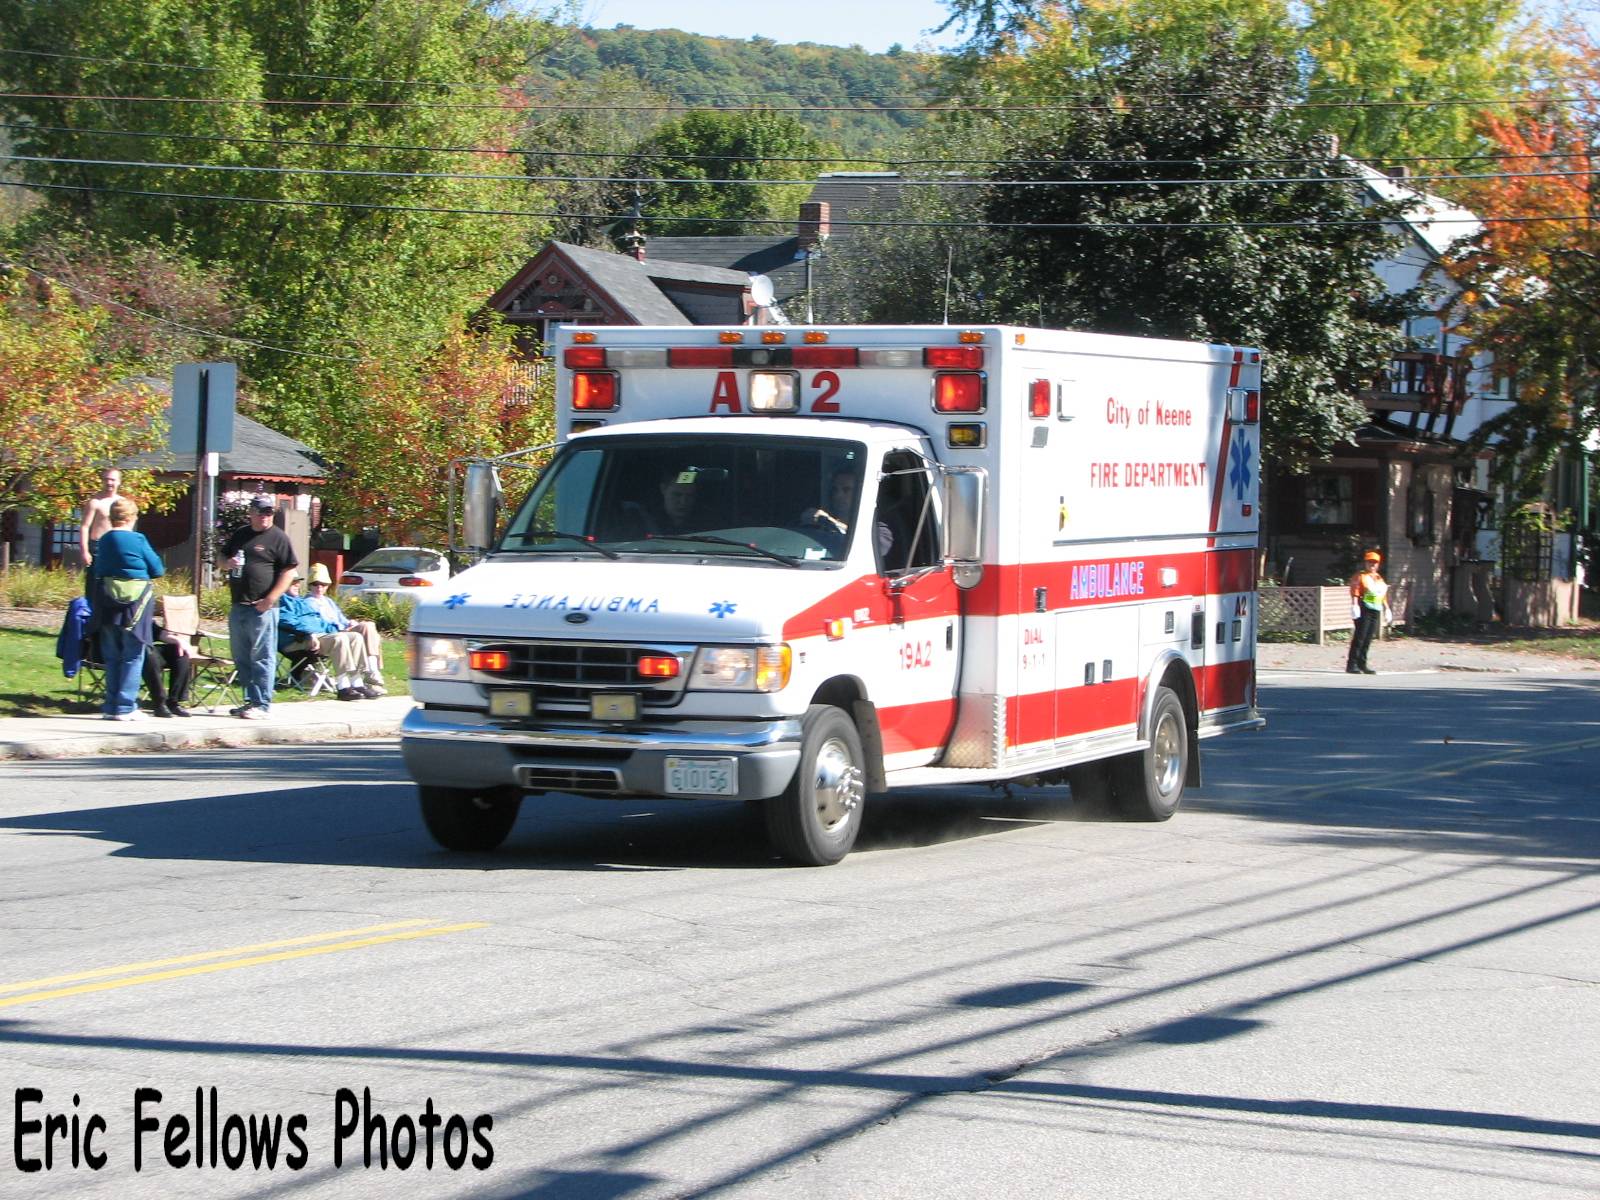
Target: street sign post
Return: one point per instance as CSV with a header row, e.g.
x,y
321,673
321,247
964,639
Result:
x,y
201,420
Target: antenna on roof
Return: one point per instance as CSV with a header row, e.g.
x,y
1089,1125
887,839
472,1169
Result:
x,y
949,262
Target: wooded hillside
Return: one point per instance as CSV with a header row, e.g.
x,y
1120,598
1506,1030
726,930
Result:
x,y
715,72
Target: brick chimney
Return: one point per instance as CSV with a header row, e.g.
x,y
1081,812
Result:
x,y
633,242
813,228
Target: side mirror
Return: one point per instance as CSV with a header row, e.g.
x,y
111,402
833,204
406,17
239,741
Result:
x,y
962,492
480,507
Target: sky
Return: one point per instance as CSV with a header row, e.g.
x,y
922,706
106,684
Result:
x,y
871,24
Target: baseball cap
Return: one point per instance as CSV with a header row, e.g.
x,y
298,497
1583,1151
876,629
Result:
x,y
262,504
1372,556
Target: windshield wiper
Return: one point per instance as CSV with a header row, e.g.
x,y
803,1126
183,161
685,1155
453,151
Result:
x,y
571,537
787,560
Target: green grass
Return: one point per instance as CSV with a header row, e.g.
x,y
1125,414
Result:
x,y
41,587
31,683
1569,643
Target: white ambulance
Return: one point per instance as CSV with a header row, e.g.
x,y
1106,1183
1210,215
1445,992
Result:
x,y
799,566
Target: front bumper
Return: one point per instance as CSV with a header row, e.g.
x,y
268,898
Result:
x,y
470,750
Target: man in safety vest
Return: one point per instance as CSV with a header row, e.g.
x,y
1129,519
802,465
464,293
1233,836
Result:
x,y
1369,600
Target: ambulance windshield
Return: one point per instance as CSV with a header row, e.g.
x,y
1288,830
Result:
x,y
767,499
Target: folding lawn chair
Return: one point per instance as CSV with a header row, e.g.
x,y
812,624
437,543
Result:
x,y
215,680
303,667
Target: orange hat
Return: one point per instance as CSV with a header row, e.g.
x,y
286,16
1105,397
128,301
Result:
x,y
1372,556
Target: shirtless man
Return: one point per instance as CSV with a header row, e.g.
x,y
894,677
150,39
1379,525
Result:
x,y
97,515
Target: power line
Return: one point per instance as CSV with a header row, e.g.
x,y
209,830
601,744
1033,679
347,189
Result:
x,y
1177,100
1231,181
854,222
209,333
823,160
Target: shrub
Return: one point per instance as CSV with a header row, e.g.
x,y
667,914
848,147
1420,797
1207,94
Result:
x,y
391,616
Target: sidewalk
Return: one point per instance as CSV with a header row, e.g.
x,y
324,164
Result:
x,y
303,721
333,720
1393,656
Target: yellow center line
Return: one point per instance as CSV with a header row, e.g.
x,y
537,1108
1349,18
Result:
x,y
107,985
282,943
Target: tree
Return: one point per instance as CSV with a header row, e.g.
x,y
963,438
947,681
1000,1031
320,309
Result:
x,y
698,161
1139,213
470,398
65,412
1387,77
1533,285
321,128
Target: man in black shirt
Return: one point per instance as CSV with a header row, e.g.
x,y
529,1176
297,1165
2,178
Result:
x,y
261,563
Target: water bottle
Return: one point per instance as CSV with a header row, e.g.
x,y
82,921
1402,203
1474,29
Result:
x,y
236,565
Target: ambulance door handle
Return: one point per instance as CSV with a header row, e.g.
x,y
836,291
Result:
x,y
1041,599
1197,631
950,636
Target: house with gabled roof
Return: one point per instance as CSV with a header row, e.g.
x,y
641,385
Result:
x,y
1403,485
565,284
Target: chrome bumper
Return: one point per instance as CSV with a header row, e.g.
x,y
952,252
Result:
x,y
591,759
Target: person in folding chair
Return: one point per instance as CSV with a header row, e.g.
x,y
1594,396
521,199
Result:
x,y
301,627
121,607
319,582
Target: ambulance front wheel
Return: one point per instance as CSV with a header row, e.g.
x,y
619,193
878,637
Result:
x,y
815,821
465,819
1148,785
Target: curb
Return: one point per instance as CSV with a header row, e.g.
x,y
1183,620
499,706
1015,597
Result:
x,y
74,744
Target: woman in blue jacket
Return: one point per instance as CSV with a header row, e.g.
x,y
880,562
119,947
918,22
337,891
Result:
x,y
124,599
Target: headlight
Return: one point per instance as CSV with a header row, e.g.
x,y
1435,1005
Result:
x,y
741,668
439,658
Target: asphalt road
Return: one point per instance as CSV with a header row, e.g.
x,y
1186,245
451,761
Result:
x,y
1363,961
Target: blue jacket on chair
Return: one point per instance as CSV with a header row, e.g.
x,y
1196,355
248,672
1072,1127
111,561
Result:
x,y
69,642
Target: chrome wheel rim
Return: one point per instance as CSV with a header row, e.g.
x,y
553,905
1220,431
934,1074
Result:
x,y
1166,755
837,788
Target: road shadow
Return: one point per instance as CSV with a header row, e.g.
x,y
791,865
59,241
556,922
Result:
x,y
1502,771
360,811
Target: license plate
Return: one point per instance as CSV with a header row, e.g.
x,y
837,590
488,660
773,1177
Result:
x,y
702,777
503,703
614,706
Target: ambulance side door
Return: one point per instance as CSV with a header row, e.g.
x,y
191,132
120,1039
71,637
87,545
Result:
x,y
920,649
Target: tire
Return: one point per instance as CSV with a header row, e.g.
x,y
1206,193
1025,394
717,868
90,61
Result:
x,y
462,819
816,820
1148,785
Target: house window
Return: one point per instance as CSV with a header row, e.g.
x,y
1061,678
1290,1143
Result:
x,y
1419,509
64,538
1330,500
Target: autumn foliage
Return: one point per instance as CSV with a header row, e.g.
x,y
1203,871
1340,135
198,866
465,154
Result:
x,y
66,412
472,397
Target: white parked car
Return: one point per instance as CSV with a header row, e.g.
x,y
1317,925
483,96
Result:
x,y
397,571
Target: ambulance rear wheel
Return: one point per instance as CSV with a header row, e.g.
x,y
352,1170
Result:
x,y
816,820
463,819
1148,785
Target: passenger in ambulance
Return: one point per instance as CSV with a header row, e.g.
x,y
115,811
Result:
x,y
671,509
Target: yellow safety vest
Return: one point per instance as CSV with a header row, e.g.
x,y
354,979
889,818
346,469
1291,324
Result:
x,y
1374,591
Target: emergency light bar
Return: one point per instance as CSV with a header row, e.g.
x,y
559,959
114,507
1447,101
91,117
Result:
x,y
589,356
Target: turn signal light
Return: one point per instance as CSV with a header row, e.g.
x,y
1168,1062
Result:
x,y
415,581
658,666
490,660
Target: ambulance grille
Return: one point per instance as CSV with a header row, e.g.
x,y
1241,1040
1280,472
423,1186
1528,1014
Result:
x,y
566,674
